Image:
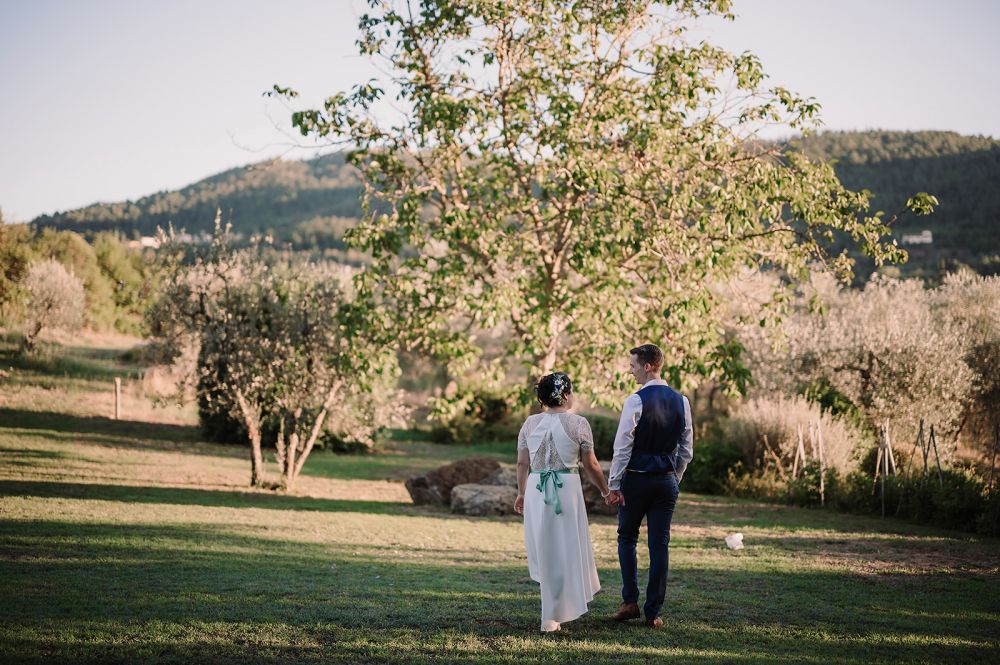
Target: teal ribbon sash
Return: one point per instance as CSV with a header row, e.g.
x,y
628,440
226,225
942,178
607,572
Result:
x,y
549,483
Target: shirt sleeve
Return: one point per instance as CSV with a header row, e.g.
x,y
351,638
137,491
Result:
x,y
624,438
584,435
685,449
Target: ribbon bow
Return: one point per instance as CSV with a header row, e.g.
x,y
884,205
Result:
x,y
549,489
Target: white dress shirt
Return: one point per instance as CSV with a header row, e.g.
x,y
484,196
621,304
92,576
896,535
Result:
x,y
625,437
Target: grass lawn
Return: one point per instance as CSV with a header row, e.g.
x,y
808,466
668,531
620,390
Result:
x,y
131,541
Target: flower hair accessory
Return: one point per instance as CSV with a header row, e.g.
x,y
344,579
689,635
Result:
x,y
552,389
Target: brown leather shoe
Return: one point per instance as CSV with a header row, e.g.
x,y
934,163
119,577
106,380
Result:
x,y
626,611
655,623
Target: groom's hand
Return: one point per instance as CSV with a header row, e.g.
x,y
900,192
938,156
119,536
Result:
x,y
615,498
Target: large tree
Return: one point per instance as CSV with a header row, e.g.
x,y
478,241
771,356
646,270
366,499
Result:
x,y
276,345
578,174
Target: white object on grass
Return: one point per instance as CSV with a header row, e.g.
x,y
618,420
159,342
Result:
x,y
734,541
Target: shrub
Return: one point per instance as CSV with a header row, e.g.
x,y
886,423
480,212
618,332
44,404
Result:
x,y
487,416
604,429
956,501
333,443
988,522
714,457
777,419
74,252
55,300
760,485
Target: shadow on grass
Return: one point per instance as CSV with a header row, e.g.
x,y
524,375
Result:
x,y
81,363
90,592
127,429
194,497
735,514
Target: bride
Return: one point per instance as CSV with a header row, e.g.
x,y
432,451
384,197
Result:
x,y
551,448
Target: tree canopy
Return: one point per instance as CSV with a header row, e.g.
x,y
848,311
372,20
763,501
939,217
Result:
x,y
579,173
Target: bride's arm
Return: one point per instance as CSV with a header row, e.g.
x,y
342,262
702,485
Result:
x,y
523,467
593,469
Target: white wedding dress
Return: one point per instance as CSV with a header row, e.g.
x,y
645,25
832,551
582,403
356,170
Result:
x,y
556,535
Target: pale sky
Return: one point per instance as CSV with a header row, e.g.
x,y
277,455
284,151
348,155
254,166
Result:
x,y
110,100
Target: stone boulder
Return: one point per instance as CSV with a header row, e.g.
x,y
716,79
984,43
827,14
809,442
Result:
x,y
483,500
434,487
505,475
592,495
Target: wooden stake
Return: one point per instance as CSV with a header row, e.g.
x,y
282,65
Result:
x,y
118,397
800,453
888,448
937,457
919,443
878,459
822,482
993,461
882,462
777,459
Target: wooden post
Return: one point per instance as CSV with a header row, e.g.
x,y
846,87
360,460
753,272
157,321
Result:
x,y
920,442
118,397
888,448
881,464
937,457
993,461
822,468
777,458
878,459
800,453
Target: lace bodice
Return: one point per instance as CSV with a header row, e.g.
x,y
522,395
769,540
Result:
x,y
555,440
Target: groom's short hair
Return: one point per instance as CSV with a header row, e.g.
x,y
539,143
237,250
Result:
x,y
648,354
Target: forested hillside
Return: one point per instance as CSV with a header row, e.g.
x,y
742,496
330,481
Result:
x,y
963,172
310,203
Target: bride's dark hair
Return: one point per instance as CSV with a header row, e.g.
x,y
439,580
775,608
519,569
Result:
x,y
553,389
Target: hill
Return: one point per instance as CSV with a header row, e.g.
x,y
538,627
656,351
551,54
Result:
x,y
963,172
310,203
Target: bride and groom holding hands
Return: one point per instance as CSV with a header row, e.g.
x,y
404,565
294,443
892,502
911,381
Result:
x,y
653,445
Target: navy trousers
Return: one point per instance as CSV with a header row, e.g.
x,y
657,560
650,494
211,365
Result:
x,y
652,497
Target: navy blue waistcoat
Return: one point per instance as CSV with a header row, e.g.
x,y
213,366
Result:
x,y
658,431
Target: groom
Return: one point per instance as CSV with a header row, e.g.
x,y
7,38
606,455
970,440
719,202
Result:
x,y
653,446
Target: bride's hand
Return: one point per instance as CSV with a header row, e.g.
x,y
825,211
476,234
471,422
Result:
x,y
519,504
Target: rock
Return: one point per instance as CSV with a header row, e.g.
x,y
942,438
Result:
x,y
476,498
505,475
592,495
481,500
435,486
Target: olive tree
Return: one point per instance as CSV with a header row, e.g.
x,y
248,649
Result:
x,y
55,300
575,174
895,350
277,345
973,302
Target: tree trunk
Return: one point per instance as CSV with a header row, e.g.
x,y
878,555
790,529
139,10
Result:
x,y
28,340
251,419
288,474
256,461
314,433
